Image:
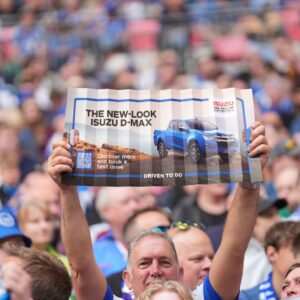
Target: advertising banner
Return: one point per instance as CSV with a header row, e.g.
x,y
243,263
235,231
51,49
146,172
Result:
x,y
166,137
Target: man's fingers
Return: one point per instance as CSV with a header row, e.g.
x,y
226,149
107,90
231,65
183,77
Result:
x,y
57,169
60,151
257,130
256,124
262,149
259,140
57,160
63,144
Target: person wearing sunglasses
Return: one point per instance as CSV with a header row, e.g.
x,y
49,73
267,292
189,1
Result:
x,y
194,249
155,218
151,257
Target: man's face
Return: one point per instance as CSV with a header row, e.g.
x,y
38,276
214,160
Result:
x,y
284,259
152,259
195,254
291,285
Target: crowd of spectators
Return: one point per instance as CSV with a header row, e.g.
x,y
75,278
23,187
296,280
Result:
x,y
48,46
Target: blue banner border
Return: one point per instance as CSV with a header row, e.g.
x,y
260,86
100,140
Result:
x,y
159,101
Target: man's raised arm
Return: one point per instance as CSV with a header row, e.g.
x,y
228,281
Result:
x,y
227,267
89,282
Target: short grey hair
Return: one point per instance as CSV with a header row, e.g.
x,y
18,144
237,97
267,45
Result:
x,y
151,233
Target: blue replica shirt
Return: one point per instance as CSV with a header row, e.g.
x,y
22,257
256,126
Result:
x,y
262,291
108,255
205,291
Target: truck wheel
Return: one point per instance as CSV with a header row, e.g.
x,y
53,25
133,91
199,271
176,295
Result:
x,y
162,150
194,152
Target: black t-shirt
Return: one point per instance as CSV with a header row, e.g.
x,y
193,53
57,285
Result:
x,y
188,209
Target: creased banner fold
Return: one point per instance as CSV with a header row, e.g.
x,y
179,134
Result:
x,y
167,137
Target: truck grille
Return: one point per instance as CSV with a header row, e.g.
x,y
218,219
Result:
x,y
224,141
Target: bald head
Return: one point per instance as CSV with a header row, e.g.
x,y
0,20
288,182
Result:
x,y
195,252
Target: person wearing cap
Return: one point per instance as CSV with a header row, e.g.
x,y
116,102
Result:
x,y
256,263
279,250
10,232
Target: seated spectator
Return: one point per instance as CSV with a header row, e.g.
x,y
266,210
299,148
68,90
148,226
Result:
x,y
166,290
278,247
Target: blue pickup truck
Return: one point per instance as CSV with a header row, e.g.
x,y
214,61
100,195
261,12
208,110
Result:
x,y
197,138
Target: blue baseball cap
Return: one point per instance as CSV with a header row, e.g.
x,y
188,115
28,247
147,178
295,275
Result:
x,y
9,227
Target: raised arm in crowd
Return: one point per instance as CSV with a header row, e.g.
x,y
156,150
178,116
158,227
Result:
x,y
226,270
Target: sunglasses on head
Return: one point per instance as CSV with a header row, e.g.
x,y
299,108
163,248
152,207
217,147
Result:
x,y
185,225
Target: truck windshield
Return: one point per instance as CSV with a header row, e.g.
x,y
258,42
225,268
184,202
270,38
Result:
x,y
201,125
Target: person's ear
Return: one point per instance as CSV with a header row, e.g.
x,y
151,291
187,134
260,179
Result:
x,y
127,278
272,254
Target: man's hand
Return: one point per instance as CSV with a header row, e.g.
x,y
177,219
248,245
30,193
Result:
x,y
60,161
17,281
259,144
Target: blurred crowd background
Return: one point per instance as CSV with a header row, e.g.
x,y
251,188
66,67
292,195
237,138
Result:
x,y
49,45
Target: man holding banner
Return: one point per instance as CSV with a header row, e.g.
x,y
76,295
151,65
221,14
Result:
x,y
152,257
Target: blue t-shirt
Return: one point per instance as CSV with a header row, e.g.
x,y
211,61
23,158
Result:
x,y
108,256
264,290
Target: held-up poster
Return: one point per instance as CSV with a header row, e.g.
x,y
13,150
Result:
x,y
160,137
